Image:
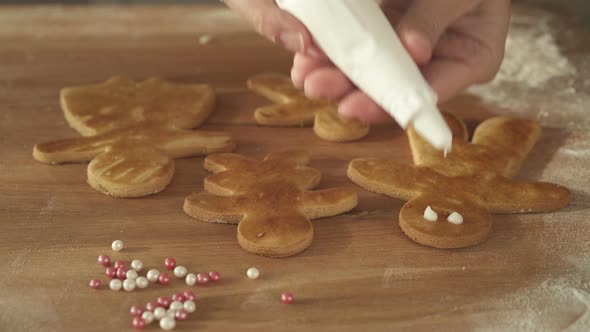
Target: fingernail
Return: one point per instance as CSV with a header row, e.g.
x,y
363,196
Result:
x,y
293,41
418,47
296,78
314,52
342,111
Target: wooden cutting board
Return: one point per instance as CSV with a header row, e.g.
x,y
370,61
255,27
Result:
x,y
360,273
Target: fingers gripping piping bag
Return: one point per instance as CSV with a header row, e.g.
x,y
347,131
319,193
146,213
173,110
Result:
x,y
358,38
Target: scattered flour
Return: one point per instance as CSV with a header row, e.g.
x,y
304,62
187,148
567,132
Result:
x,y
532,60
388,277
552,305
52,204
532,55
577,145
35,304
574,152
560,301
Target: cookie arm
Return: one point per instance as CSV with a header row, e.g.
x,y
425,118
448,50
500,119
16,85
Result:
x,y
285,115
210,208
509,196
70,150
306,178
224,184
390,178
178,143
327,202
275,87
220,162
291,157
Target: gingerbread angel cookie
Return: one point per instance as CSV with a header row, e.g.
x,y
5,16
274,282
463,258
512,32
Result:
x,y
270,200
292,108
133,131
450,199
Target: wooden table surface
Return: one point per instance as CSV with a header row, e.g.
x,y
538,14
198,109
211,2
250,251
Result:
x,y
360,273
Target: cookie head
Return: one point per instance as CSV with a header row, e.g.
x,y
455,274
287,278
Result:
x,y
120,102
475,227
134,172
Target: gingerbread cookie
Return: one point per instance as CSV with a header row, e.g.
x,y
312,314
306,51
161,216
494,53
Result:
x,y
292,108
270,200
134,131
450,199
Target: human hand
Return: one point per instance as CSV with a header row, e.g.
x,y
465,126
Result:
x,y
277,25
455,43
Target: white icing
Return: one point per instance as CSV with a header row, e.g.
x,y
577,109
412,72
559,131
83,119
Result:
x,y
431,126
361,42
455,218
430,215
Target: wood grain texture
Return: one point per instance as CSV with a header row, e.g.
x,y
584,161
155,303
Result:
x,y
360,273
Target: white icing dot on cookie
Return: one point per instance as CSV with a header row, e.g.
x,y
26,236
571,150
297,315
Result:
x,y
455,218
430,215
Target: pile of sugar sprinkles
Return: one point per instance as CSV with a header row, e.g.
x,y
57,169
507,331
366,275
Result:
x,y
166,310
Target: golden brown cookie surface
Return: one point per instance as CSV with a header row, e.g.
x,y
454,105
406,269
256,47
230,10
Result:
x,y
270,200
120,102
473,180
292,108
133,133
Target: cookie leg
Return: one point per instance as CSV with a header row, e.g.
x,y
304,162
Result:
x,y
130,172
331,127
285,115
275,236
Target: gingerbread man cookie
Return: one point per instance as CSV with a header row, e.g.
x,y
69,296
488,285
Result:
x,y
292,108
270,200
450,199
133,132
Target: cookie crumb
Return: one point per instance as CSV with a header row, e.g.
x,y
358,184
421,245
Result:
x,y
261,234
430,215
205,39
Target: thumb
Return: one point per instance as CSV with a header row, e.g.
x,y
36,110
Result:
x,y
424,22
277,25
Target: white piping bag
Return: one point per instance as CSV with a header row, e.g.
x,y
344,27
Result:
x,y
358,38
